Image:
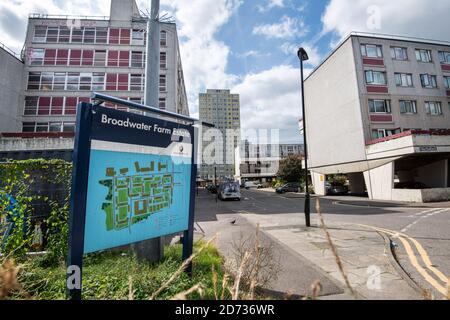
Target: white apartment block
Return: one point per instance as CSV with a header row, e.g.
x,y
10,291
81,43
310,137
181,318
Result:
x,y
222,109
67,58
378,110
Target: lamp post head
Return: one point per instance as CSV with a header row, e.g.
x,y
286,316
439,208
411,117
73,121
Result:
x,y
302,55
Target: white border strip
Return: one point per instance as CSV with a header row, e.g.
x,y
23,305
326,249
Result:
x,y
176,149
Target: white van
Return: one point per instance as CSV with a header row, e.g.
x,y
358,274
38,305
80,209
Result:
x,y
250,185
229,190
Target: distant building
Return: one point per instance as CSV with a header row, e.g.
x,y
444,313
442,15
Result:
x,y
221,108
378,110
260,162
11,67
66,58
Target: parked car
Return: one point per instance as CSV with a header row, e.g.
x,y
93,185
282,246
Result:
x,y
250,185
335,188
212,188
288,187
229,191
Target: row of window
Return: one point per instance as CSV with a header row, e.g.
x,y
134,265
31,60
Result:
x,y
401,53
88,81
433,108
93,35
67,106
32,127
428,81
97,58
383,133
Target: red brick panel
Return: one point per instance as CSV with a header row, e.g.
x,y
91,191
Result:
x,y
57,105
50,57
125,36
113,58
75,57
62,57
71,106
44,106
445,67
373,62
88,58
124,59
381,118
377,89
114,35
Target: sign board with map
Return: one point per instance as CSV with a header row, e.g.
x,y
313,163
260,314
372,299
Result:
x,y
134,180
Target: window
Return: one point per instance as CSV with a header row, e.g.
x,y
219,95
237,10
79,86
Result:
x,y
403,80
89,35
379,106
125,35
113,58
383,133
122,83
124,58
136,82
29,127
101,35
75,57
98,81
73,80
163,38
46,81
57,106
162,83
428,81
50,57
433,108
447,82
37,57
62,57
64,35
85,81
55,127
31,106
77,35
162,103
408,106
423,55
87,58
137,59
398,53
44,106
375,77
138,37
34,80
99,58
114,35
52,34
371,51
163,60
59,81
68,127
444,57
111,81
71,106
40,34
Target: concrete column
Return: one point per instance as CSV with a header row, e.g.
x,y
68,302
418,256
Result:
x,y
357,184
318,181
380,182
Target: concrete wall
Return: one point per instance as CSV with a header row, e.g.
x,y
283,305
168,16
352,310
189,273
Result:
x,y
433,175
421,196
380,182
357,183
333,114
10,91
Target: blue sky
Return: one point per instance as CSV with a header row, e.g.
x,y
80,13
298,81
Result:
x,y
249,46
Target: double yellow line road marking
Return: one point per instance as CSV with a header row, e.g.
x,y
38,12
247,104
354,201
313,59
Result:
x,y
429,268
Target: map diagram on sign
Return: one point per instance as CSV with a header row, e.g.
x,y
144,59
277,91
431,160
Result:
x,y
136,193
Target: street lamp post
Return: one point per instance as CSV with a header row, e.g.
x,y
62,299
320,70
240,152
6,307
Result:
x,y
303,56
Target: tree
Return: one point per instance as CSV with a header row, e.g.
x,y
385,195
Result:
x,y
290,169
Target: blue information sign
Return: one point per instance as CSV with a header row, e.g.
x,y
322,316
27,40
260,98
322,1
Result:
x,y
133,180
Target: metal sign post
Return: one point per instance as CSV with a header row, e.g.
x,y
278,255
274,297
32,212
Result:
x,y
134,179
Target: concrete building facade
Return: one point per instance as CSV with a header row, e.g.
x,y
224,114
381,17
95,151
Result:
x,y
67,58
378,110
11,67
222,109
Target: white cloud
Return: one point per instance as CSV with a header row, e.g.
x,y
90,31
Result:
x,y
270,5
271,100
252,54
415,18
287,28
